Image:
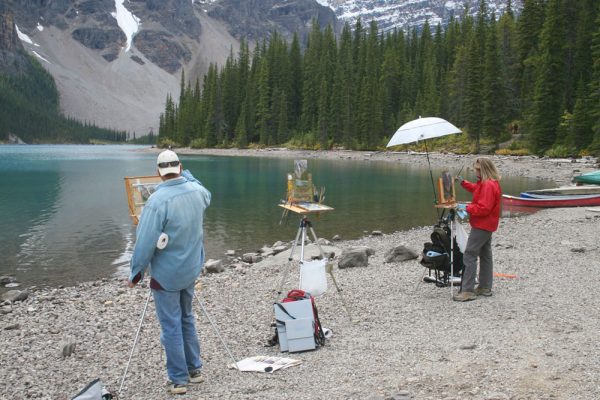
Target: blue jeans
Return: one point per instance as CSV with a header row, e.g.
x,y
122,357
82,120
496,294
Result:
x,y
178,332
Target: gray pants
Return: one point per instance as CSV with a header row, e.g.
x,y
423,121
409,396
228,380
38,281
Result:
x,y
478,245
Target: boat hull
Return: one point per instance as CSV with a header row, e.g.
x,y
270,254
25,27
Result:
x,y
590,178
562,201
566,191
528,195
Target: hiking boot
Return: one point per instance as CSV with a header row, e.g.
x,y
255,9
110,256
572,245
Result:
x,y
480,291
196,376
465,296
176,388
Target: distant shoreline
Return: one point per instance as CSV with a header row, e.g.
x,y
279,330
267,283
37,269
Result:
x,y
558,170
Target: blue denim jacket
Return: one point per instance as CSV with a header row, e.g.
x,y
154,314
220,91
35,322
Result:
x,y
177,209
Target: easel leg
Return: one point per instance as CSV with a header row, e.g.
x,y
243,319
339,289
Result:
x,y
316,241
135,340
290,261
451,256
329,269
216,330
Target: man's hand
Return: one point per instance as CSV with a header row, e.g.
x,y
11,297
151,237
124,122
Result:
x,y
136,279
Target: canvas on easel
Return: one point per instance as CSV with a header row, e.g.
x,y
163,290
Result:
x,y
446,190
139,189
302,197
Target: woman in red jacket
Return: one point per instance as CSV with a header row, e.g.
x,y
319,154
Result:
x,y
484,213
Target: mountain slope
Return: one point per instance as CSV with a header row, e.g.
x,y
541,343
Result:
x,y
29,101
99,79
115,61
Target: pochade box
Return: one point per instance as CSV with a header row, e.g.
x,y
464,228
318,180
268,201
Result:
x,y
295,326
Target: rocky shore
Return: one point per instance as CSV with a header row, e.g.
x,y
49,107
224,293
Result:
x,y
534,338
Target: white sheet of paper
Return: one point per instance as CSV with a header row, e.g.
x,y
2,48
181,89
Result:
x,y
262,364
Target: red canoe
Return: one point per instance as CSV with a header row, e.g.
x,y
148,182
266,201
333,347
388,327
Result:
x,y
562,201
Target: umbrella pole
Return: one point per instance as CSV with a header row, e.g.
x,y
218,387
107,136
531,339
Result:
x,y
431,176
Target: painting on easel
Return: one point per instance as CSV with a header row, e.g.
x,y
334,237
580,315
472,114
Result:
x,y
139,189
302,196
446,190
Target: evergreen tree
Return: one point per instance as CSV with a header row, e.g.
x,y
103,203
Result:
x,y
263,107
475,76
295,77
582,132
548,100
507,41
594,87
241,129
529,27
311,80
494,95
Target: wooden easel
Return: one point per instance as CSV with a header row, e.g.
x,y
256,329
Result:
x,y
138,190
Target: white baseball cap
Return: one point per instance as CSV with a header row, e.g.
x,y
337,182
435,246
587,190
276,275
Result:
x,y
168,163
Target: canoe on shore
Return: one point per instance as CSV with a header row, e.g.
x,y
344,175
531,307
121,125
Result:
x,y
590,178
559,201
565,191
528,195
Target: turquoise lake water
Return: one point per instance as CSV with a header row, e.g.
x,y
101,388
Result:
x,y
65,218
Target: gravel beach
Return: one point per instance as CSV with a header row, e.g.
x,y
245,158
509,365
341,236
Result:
x,y
535,338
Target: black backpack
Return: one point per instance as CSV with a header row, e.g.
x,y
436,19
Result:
x,y
436,254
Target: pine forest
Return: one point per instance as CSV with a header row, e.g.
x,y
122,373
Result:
x,y
531,79
29,109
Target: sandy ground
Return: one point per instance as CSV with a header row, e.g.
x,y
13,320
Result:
x,y
535,338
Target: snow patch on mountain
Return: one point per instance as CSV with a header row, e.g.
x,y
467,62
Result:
x,y
35,53
325,3
23,37
404,14
129,23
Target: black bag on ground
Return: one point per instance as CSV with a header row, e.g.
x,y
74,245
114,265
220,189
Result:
x,y
436,254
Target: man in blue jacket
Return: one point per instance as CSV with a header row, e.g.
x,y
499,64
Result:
x,y
175,209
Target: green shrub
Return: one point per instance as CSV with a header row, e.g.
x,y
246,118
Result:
x,y
513,152
560,151
198,143
165,143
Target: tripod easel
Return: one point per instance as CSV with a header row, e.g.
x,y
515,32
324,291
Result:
x,y
301,234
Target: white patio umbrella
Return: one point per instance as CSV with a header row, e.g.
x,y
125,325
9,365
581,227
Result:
x,y
423,129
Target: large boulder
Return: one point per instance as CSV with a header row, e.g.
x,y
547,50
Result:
x,y
400,253
15,295
355,257
214,266
369,250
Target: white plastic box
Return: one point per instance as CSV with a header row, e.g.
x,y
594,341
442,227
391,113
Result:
x,y
296,330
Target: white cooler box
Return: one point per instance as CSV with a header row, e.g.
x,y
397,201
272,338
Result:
x,y
297,333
